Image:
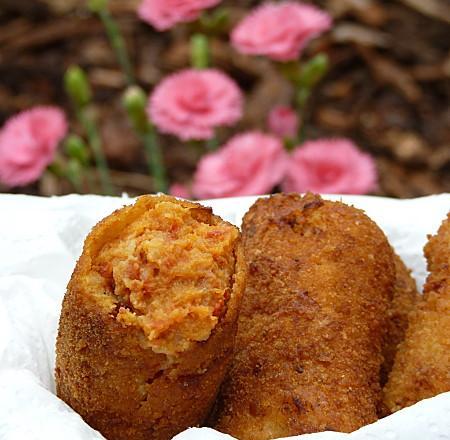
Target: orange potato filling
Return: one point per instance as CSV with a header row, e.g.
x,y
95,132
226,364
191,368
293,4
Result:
x,y
170,273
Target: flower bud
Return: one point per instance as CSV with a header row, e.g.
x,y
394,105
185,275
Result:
x,y
134,101
199,51
76,149
313,71
77,86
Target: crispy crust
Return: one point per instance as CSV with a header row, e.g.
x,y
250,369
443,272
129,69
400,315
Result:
x,y
404,300
422,364
108,373
308,349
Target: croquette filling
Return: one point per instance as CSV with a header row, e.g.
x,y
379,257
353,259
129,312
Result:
x,y
170,273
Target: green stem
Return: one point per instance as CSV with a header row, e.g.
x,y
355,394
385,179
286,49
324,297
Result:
x,y
76,182
96,146
197,147
155,160
118,44
212,144
89,181
134,101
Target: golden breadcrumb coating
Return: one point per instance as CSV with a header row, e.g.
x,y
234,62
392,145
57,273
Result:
x,y
422,364
312,322
148,321
403,302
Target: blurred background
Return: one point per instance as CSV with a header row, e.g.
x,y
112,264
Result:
x,y
387,86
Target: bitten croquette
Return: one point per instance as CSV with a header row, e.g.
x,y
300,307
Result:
x,y
149,318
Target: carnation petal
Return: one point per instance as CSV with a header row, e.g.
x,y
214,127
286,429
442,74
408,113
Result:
x,y
251,163
279,30
28,142
330,166
179,190
164,14
283,121
218,102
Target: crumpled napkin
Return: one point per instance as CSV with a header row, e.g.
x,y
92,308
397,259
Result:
x,y
40,240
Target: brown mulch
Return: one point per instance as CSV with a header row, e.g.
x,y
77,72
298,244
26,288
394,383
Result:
x,y
388,87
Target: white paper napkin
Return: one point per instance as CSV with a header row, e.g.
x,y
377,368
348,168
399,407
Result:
x,y
40,240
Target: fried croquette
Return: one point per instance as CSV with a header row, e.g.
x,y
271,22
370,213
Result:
x,y
422,364
403,302
312,322
148,321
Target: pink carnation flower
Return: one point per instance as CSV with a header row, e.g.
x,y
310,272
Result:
x,y
249,164
190,104
279,30
28,142
283,121
164,14
330,166
179,190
